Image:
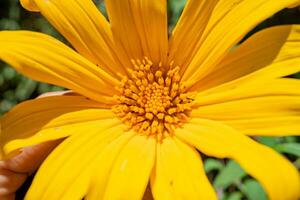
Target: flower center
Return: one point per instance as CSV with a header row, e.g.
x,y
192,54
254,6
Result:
x,y
153,102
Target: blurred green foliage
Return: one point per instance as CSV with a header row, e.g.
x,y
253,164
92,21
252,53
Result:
x,y
229,179
14,87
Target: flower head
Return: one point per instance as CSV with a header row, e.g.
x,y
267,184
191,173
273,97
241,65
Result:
x,y
153,103
145,101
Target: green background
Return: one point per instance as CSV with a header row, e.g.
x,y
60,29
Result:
x,y
230,181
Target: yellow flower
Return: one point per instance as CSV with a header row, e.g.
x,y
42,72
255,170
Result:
x,y
145,101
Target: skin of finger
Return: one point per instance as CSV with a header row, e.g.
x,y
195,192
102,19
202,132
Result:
x,y
30,158
8,197
14,171
10,181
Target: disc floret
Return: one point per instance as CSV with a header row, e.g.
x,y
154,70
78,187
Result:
x,y
153,102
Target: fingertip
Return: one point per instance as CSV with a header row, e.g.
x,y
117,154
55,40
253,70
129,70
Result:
x,y
10,182
30,158
8,197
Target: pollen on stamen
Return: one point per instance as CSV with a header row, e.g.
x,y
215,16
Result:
x,y
153,102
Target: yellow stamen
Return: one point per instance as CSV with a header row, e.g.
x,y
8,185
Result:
x,y
152,102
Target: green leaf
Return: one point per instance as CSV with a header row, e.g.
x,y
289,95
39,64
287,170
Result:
x,y
1,80
269,141
297,75
14,12
25,89
9,24
8,73
234,196
290,139
230,174
56,88
297,163
43,87
212,164
175,7
253,190
9,95
290,148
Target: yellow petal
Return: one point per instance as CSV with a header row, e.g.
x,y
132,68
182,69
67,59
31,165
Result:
x,y
256,108
140,27
273,45
277,175
271,88
103,165
268,126
82,24
131,171
263,117
185,39
225,29
250,108
70,164
29,5
45,59
49,118
179,173
262,76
